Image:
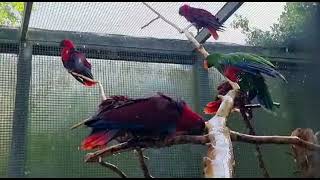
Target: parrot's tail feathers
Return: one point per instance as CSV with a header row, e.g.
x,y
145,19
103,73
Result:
x,y
89,83
212,107
98,139
214,34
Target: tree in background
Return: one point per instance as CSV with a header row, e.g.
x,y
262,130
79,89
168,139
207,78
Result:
x,y
290,28
11,13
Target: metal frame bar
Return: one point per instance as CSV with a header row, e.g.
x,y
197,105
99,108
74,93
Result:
x,y
18,154
18,150
224,13
25,21
113,47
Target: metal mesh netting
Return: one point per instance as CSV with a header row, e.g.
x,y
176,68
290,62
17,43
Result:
x,y
57,101
7,96
125,18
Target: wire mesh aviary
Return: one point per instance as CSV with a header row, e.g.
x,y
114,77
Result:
x,y
151,98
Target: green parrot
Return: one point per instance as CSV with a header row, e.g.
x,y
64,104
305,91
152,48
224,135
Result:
x,y
247,70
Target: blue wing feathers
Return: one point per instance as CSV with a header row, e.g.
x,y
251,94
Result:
x,y
256,68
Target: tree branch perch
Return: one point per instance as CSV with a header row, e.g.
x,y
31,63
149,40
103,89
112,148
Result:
x,y
201,140
103,95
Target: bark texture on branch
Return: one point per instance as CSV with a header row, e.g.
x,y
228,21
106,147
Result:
x,y
308,162
204,140
219,161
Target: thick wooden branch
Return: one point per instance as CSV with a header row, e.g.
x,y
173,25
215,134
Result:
x,y
201,140
236,136
219,161
127,146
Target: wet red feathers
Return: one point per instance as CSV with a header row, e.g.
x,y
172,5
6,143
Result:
x,y
75,61
212,107
231,73
155,116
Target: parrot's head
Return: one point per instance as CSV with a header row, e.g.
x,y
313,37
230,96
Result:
x,y
189,120
183,9
66,43
212,60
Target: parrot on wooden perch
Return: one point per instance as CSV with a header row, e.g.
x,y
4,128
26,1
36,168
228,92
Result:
x,y
156,116
76,62
201,18
247,70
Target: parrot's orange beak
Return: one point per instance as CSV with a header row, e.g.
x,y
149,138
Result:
x,y
205,65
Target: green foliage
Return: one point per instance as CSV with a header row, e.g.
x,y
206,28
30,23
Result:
x,y
291,25
11,13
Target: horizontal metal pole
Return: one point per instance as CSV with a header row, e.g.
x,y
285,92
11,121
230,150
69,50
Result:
x,y
115,47
122,53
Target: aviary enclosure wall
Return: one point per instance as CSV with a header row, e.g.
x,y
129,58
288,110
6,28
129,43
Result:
x,y
40,101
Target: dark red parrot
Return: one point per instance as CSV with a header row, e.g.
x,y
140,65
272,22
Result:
x,y
156,116
75,61
201,18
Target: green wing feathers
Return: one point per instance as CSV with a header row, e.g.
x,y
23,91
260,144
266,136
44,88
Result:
x,y
248,57
263,94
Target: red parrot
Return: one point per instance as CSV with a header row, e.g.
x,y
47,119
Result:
x,y
75,61
223,89
248,71
201,18
156,116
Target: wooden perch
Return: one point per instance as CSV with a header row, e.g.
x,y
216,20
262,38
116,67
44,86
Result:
x,y
308,162
201,140
103,95
220,160
236,136
128,146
